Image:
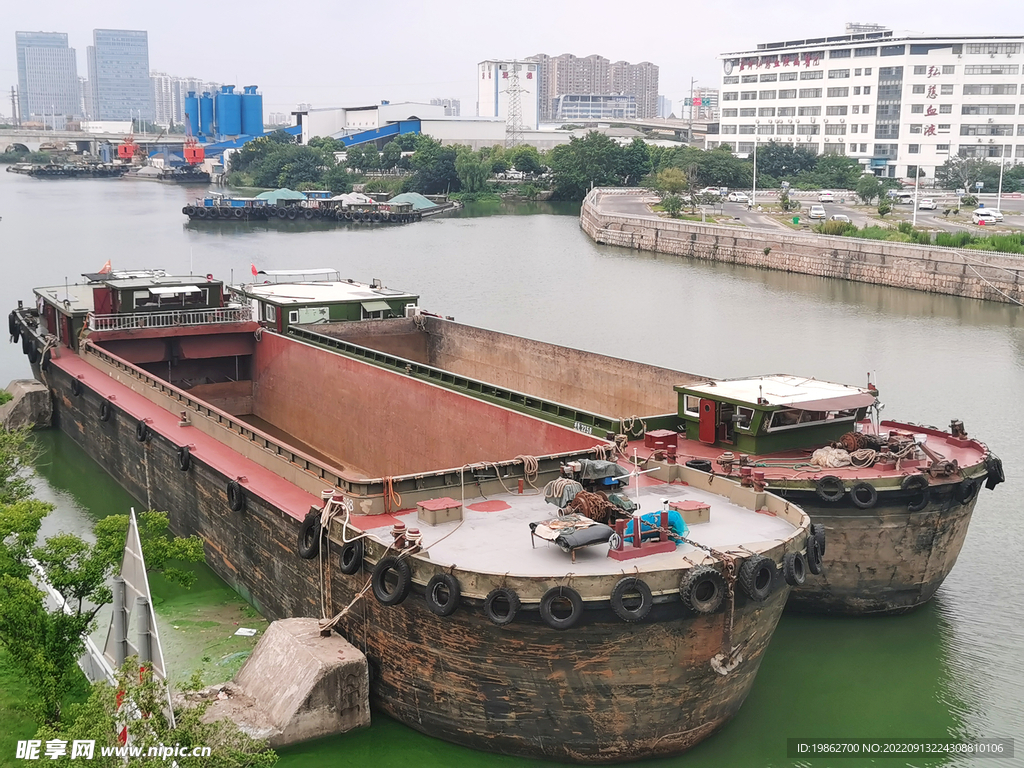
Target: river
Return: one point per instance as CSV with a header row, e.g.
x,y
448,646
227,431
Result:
x,y
953,669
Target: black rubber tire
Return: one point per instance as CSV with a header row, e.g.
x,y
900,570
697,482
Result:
x,y
105,410
26,344
864,495
44,364
76,388
13,326
379,582
994,471
308,213
184,458
309,536
443,594
236,496
965,492
292,215
547,611
189,210
757,577
702,589
818,532
701,465
493,609
813,556
238,213
829,488
141,430
348,215
351,558
917,484
375,216
627,586
794,569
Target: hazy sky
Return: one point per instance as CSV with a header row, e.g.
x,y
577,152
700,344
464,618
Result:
x,y
330,54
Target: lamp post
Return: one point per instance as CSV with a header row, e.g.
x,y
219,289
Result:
x,y
689,135
917,180
999,194
753,188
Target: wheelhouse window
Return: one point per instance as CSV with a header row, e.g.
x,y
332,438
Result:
x,y
691,405
791,418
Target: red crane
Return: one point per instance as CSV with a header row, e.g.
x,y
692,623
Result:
x,y
128,149
193,153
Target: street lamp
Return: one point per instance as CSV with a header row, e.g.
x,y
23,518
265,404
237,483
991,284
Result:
x,y
999,194
917,179
689,137
753,189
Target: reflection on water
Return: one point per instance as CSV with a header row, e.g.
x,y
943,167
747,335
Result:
x,y
955,667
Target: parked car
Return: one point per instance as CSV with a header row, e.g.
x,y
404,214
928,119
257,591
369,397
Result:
x,y
986,216
817,212
926,205
711,191
839,217
825,196
737,197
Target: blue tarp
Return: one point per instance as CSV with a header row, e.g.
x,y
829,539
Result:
x,y
650,523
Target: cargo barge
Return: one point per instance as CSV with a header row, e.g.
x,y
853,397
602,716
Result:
x,y
415,518
896,504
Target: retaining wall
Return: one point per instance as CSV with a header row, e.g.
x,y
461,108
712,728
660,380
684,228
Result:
x,y
957,272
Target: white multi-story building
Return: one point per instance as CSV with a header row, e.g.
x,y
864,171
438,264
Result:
x,y
895,102
492,90
452,107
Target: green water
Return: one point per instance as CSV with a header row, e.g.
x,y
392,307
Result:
x,y
955,668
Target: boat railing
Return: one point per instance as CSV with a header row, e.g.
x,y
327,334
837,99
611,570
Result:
x,y
170,319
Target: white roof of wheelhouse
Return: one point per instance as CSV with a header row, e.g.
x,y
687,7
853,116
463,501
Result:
x,y
320,292
785,389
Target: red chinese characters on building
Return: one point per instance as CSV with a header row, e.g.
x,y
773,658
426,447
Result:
x,y
932,93
529,75
931,110
504,75
929,130
933,71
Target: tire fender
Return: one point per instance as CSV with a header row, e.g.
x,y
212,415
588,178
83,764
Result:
x,y
630,585
864,495
351,557
702,589
757,577
794,568
236,496
547,608
502,605
443,594
378,580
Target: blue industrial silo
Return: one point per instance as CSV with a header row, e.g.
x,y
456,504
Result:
x,y
206,114
229,111
252,112
192,112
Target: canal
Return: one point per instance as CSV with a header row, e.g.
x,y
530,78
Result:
x,y
953,669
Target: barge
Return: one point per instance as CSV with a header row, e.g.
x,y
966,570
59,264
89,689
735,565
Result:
x,y
895,497
625,619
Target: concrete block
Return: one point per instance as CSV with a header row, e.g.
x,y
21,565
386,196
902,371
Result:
x,y
30,405
297,686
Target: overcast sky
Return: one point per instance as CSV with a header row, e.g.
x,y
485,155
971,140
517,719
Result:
x,y
332,54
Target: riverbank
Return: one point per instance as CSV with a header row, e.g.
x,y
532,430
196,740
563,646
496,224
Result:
x,y
617,217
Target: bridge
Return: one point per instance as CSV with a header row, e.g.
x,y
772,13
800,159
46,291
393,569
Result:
x,y
32,140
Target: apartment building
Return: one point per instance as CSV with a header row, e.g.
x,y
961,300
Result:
x,y
594,75
895,102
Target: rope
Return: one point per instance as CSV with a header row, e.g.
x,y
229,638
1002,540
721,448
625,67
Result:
x,y
531,469
627,425
392,499
989,284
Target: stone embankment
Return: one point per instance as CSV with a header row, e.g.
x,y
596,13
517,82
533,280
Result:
x,y
936,269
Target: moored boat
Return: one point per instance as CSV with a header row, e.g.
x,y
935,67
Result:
x,y
416,519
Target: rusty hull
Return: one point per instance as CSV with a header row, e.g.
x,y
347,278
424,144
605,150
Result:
x,y
604,691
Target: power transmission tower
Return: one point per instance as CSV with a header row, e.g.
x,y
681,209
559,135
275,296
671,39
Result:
x,y
514,122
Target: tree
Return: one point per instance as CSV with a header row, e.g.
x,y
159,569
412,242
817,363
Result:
x,y
338,180
868,188
390,155
473,169
672,204
782,161
16,454
671,180
884,207
636,162
434,166
354,158
837,171
584,163
103,716
961,172
525,158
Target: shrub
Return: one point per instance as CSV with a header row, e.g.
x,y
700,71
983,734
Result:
x,y
968,201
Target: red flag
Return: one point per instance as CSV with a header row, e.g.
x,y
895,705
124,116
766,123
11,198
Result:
x,y
255,273
106,269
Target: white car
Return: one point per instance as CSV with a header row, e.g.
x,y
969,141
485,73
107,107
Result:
x,y
737,197
986,216
825,196
817,212
926,205
710,191
839,217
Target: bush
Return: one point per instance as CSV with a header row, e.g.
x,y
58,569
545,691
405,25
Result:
x,y
884,207
968,201
839,228
954,239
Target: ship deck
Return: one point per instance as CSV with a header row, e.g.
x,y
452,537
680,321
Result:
x,y
494,535
795,464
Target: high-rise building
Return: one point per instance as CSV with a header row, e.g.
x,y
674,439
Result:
x,y
452,107
664,106
119,75
47,76
493,85
595,76
708,109
896,103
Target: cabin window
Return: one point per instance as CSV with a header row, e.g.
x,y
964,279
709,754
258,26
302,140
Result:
x,y
691,405
293,316
744,417
269,313
789,418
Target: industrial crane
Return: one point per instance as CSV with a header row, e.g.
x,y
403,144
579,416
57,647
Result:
x,y
192,152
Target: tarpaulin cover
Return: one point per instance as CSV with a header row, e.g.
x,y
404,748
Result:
x,y
650,524
596,469
280,194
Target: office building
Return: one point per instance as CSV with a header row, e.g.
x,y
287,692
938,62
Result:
x,y
597,76
47,77
169,93
894,102
119,75
574,107
707,111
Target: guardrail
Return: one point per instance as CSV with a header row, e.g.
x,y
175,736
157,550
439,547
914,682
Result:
x,y
171,319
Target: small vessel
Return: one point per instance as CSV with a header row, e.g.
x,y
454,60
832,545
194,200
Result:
x,y
517,586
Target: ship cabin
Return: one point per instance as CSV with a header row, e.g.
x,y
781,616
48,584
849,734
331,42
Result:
x,y
127,300
318,194
287,297
768,414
